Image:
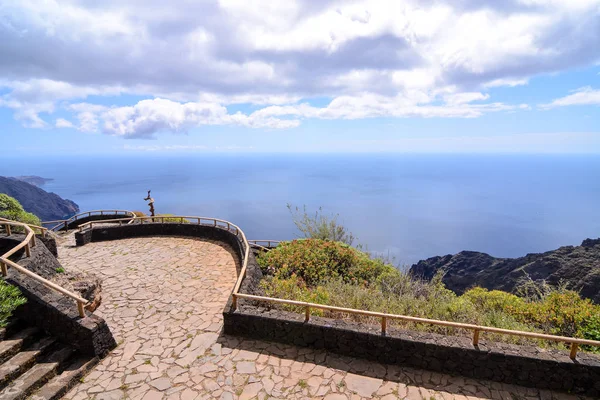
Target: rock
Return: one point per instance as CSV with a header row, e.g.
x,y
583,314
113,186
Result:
x,y
578,266
363,385
250,391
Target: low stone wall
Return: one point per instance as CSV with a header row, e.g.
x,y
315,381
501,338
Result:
x,y
103,233
81,221
521,365
51,311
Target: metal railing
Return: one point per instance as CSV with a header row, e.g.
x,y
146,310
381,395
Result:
x,y
27,243
384,317
64,223
266,244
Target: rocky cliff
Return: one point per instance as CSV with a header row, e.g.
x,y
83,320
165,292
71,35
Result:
x,y
577,266
47,206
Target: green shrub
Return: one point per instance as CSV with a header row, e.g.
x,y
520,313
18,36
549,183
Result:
x,y
591,330
10,208
319,226
315,261
495,300
10,299
178,220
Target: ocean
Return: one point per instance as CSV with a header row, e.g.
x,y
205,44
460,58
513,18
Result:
x,y
408,207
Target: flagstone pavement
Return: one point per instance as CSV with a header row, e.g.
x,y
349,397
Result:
x,y
163,299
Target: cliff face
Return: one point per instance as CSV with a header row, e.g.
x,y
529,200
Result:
x,y
47,206
578,266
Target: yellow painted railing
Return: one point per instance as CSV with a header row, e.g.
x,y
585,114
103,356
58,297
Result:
x,y
27,243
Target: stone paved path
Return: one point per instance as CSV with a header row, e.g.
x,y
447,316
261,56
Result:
x,y
163,298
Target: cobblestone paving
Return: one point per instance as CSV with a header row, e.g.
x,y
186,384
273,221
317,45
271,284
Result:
x,y
163,299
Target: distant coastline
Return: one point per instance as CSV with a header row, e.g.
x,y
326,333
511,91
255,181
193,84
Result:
x,y
34,179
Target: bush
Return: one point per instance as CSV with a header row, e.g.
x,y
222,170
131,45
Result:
x,y
319,226
178,220
10,299
315,261
10,208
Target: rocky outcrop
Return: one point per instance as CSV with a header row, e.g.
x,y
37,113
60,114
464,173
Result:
x,y
576,266
47,206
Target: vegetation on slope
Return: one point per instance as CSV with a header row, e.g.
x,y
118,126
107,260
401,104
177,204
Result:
x,y
10,299
328,272
10,208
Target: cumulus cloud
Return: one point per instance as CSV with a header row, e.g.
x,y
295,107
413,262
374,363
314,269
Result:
x,y
582,96
63,123
423,58
148,117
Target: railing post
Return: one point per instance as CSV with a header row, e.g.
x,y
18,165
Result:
x,y
383,325
80,309
181,220
476,337
27,250
4,269
307,314
215,223
66,226
8,233
234,302
33,240
574,347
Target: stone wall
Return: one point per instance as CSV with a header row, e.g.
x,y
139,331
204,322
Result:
x,y
81,221
103,233
51,311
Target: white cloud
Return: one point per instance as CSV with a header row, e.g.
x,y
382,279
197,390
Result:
x,y
148,117
580,97
63,123
367,57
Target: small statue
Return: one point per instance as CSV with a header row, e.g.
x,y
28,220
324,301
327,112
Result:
x,y
150,203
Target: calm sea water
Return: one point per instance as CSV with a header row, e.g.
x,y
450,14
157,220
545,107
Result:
x,y
408,206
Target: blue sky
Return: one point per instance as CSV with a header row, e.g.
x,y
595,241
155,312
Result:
x,y
469,76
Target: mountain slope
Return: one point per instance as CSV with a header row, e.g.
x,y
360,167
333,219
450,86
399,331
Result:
x,y
47,206
578,266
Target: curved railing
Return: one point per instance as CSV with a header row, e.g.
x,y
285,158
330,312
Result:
x,y
217,223
27,243
64,223
266,244
476,329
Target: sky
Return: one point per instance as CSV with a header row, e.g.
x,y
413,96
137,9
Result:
x,y
195,76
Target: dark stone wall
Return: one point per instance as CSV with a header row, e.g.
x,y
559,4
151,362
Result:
x,y
51,311
81,221
104,233
522,365
50,244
